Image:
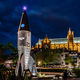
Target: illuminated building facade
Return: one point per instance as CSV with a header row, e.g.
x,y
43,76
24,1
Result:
x,y
70,43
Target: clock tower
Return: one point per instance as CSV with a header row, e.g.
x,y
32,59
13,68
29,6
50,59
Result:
x,y
24,40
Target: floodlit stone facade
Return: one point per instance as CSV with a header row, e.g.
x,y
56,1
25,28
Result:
x,y
70,43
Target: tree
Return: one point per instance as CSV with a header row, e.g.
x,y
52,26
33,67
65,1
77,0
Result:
x,y
11,48
48,55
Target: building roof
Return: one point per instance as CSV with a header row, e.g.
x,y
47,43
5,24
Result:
x,y
62,40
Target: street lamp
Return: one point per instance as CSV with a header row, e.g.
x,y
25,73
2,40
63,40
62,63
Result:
x,y
39,62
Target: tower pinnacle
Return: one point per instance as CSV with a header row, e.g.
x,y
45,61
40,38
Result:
x,y
69,31
24,25
73,33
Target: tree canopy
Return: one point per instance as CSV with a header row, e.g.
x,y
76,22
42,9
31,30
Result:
x,y
47,56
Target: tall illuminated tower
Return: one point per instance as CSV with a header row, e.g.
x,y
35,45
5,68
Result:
x,y
70,38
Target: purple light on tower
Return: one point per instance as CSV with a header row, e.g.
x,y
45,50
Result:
x,y
24,8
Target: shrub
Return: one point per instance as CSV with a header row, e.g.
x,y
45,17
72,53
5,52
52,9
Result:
x,y
76,71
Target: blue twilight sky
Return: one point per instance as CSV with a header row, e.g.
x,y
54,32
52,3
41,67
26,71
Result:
x,y
51,17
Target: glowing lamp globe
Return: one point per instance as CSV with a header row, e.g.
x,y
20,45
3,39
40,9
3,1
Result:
x,y
24,8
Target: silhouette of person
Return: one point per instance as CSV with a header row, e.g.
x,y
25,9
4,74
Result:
x,y
65,75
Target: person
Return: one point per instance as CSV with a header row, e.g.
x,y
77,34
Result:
x,y
65,75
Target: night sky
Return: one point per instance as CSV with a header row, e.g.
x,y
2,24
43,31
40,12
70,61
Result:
x,y
51,17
